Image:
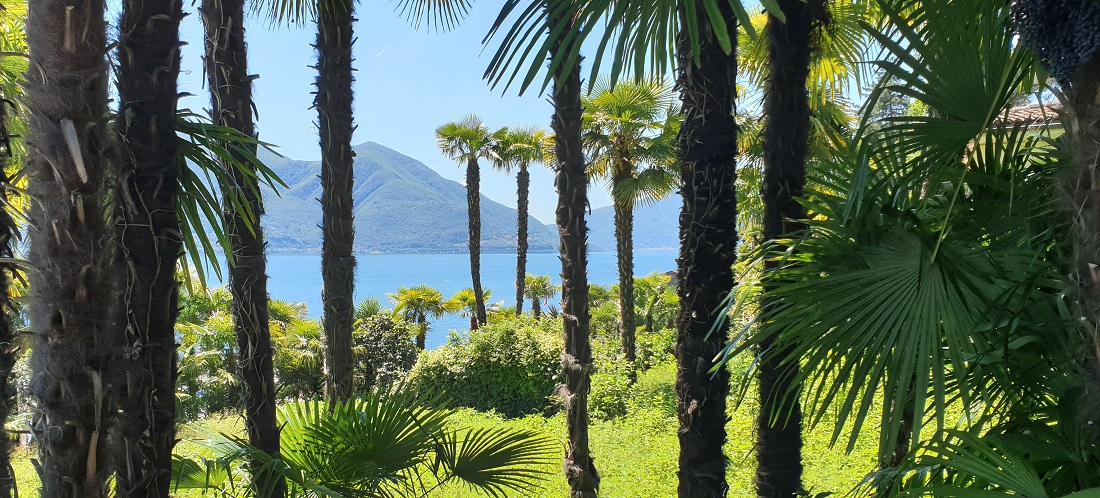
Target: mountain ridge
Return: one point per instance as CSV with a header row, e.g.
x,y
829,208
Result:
x,y
402,206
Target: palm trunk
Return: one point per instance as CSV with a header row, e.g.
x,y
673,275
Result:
x,y
786,146
149,60
572,186
231,95
334,117
624,239
473,201
536,309
708,238
422,336
77,334
1082,188
523,187
9,346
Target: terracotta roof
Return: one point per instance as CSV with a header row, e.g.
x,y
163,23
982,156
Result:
x,y
1032,115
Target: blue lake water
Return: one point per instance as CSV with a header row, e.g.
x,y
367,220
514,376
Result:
x,y
297,277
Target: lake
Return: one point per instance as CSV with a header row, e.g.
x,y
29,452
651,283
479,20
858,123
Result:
x,y
297,277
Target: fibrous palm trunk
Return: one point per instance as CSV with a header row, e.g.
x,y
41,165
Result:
x,y
523,187
231,95
1083,188
334,117
1074,62
572,187
9,347
708,238
786,146
148,65
74,285
624,245
473,204
536,308
422,334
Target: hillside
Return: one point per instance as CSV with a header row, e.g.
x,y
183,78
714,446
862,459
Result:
x,y
400,206
655,227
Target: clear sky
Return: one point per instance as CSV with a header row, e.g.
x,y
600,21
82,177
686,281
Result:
x,y
408,82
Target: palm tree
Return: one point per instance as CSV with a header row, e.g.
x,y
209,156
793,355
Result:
x,y
465,302
74,310
1043,26
538,288
466,142
786,146
386,443
518,148
625,130
335,122
708,237
417,304
930,240
231,105
149,38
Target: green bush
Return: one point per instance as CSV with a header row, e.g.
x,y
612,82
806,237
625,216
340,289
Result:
x,y
512,367
384,350
610,389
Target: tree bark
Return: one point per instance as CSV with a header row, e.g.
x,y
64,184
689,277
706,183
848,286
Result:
x,y
77,333
708,239
473,202
422,335
572,187
335,123
231,95
523,187
536,309
1082,185
786,147
624,239
148,66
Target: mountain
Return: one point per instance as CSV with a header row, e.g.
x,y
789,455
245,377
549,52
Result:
x,y
400,206
656,226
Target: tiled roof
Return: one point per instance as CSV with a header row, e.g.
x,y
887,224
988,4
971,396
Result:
x,y
1032,115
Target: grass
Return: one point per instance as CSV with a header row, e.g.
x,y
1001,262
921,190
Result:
x,y
635,454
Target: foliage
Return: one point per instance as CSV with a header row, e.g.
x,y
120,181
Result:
x,y
511,367
383,350
386,444
612,394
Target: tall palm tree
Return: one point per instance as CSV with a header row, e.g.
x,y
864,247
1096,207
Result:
x,y
74,310
572,185
630,145
786,146
708,237
1043,28
466,142
147,73
538,288
418,303
231,105
335,122
517,148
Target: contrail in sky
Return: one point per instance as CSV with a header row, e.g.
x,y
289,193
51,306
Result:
x,y
383,50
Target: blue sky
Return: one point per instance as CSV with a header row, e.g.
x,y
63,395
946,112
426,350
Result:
x,y
408,83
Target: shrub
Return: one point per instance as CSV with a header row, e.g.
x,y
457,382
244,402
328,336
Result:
x,y
512,366
610,389
384,350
